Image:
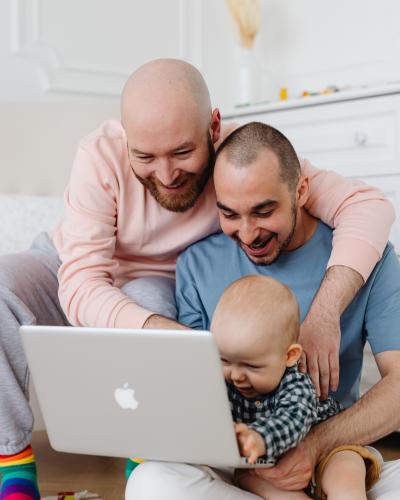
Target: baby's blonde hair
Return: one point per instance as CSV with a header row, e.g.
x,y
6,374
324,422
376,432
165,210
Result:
x,y
264,303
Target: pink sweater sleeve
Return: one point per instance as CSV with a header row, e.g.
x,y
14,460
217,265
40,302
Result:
x,y
86,243
360,215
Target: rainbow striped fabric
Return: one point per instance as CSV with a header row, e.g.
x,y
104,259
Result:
x,y
18,473
131,464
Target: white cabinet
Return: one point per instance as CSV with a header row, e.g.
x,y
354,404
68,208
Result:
x,y
357,138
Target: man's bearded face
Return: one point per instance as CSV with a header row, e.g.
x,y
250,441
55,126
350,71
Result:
x,y
177,181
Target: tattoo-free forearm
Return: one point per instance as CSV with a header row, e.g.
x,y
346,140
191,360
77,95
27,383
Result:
x,y
156,321
375,415
320,331
338,288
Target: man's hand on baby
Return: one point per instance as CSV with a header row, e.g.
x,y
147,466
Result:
x,y
251,444
293,471
320,338
320,332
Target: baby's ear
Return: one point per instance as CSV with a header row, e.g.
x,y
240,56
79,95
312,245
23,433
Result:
x,y
293,354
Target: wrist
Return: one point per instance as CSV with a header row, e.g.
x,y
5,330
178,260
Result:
x,y
262,447
156,321
341,284
323,313
337,290
150,321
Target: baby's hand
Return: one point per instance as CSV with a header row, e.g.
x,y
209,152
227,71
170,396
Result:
x,y
251,444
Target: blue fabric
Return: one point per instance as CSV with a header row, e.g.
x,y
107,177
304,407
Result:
x,y
206,268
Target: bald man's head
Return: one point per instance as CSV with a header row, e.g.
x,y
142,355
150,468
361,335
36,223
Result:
x,y
164,82
171,130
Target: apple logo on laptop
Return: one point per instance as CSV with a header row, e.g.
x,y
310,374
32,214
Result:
x,y
125,397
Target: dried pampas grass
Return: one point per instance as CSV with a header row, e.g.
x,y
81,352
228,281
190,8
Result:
x,y
247,15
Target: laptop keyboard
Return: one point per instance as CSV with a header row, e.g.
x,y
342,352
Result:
x,y
259,461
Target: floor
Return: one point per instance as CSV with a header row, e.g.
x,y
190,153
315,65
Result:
x,y
68,472
106,476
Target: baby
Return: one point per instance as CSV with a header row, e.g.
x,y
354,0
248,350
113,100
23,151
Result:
x,y
256,327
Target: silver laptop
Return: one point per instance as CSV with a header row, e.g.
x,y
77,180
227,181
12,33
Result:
x,y
153,394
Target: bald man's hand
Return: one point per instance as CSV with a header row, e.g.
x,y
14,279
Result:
x,y
320,332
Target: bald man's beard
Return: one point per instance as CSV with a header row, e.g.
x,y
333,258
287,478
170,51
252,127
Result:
x,y
194,185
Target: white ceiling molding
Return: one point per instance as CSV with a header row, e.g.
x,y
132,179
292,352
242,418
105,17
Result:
x,y
68,73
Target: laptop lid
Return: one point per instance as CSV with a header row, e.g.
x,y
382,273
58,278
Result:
x,y
154,394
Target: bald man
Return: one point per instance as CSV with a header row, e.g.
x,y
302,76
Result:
x,y
140,192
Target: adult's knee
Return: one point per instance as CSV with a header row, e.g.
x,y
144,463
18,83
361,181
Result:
x,y
9,274
148,482
160,480
388,486
19,272
25,275
156,293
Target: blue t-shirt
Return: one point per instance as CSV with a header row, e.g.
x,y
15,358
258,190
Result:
x,y
206,268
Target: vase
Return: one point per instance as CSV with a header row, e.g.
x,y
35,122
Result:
x,y
254,82
246,77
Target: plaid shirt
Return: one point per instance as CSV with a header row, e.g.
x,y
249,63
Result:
x,y
284,416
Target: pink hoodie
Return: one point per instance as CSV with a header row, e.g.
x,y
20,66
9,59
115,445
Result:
x,y
113,230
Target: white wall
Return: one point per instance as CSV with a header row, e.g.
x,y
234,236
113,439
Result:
x,y
63,63
307,44
67,47
38,140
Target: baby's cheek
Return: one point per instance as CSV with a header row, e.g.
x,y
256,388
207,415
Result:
x,y
253,379
261,383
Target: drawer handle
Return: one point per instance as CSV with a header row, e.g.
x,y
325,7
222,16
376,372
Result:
x,y
360,138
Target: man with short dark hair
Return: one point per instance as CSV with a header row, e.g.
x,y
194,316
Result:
x,y
242,148
267,231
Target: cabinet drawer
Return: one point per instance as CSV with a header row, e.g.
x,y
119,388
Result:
x,y
356,138
357,145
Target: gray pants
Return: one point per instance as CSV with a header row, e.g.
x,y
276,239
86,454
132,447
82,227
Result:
x,y
29,296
